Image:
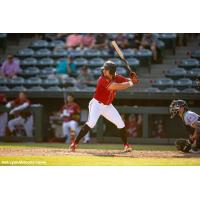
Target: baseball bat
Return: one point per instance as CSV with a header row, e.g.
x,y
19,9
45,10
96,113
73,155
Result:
x,y
121,55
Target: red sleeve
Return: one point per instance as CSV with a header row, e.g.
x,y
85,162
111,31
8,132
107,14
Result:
x,y
103,82
120,79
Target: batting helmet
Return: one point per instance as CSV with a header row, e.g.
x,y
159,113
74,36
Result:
x,y
109,65
175,106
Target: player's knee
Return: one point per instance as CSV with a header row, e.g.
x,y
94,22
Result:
x,y
120,125
91,125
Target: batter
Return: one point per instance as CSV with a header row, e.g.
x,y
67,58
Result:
x,y
101,104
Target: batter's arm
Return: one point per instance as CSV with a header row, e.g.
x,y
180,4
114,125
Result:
x,y
120,86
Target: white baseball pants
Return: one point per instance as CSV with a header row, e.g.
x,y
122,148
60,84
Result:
x,y
27,124
97,109
67,126
3,123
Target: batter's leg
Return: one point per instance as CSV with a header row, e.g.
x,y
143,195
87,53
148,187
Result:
x,y
111,114
95,110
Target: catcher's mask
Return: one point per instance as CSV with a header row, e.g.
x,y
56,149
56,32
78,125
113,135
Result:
x,y
175,107
110,66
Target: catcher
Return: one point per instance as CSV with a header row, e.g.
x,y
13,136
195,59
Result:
x,y
192,122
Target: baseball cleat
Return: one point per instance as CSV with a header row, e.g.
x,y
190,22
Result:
x,y
127,148
72,147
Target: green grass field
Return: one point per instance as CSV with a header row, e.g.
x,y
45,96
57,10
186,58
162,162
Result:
x,y
85,160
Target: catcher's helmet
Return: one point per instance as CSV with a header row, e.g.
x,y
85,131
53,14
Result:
x,y
175,106
109,65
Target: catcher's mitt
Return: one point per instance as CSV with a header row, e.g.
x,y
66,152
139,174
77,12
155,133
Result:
x,y
134,78
183,145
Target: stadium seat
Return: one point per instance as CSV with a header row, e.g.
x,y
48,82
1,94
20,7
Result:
x,y
194,73
51,81
176,73
76,53
91,53
31,71
117,61
34,81
25,53
29,62
88,89
133,62
3,81
188,63
36,89
46,62
190,90
105,54
54,89
69,81
170,90
80,62
41,53
4,89
152,90
47,71
183,83
56,43
73,88
96,62
163,83
18,89
122,71
59,53
38,44
127,53
196,54
17,81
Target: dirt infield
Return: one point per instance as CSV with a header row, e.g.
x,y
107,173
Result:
x,y
93,152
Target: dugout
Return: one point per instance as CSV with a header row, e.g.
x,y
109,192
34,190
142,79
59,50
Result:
x,y
149,105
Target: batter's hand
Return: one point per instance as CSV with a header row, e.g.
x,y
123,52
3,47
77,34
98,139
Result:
x,y
134,78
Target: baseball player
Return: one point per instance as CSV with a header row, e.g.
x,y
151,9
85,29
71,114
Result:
x,y
70,113
3,116
23,117
192,122
101,104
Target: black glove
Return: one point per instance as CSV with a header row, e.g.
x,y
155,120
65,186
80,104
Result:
x,y
183,145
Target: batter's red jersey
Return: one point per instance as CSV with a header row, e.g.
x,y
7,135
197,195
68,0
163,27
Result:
x,y
71,109
102,94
